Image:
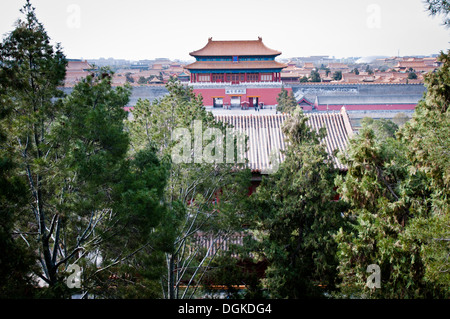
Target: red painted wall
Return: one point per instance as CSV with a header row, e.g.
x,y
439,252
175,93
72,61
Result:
x,y
268,96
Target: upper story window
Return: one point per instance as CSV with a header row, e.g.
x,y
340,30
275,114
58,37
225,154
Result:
x,y
252,77
220,58
256,58
235,58
204,78
266,77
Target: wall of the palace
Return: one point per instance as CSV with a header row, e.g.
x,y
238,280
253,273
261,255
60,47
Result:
x,y
310,91
268,96
366,107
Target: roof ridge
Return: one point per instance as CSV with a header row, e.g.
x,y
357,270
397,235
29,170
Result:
x,y
213,48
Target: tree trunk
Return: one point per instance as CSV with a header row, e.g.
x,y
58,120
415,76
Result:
x,y
171,277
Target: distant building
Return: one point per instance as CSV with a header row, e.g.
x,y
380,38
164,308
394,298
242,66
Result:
x,y
333,67
293,73
155,80
228,73
184,76
417,65
235,62
76,70
142,66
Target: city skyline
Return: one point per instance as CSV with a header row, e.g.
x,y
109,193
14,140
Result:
x,y
137,30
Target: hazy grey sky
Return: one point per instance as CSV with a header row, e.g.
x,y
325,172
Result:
x,y
139,29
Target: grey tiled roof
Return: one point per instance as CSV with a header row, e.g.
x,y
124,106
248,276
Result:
x,y
266,138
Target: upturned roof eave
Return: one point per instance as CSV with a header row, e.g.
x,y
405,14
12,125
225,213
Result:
x,y
210,49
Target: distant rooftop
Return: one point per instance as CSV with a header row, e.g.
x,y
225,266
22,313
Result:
x,y
235,48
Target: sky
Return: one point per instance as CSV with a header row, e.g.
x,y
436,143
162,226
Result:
x,y
149,29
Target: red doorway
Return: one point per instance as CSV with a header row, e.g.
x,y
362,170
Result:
x,y
253,101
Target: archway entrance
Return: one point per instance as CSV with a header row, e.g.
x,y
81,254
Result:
x,y
235,101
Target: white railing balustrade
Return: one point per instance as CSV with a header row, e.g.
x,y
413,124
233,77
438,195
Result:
x,y
231,84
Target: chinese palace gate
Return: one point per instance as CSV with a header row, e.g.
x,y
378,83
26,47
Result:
x,y
236,74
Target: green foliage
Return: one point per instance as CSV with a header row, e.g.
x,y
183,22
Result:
x,y
397,187
337,76
65,158
382,128
412,76
16,262
142,80
202,199
377,216
30,72
304,79
294,217
101,181
439,7
315,76
235,278
82,183
427,136
400,119
286,101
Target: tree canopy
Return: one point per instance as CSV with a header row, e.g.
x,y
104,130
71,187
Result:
x,y
294,216
99,202
67,155
286,101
